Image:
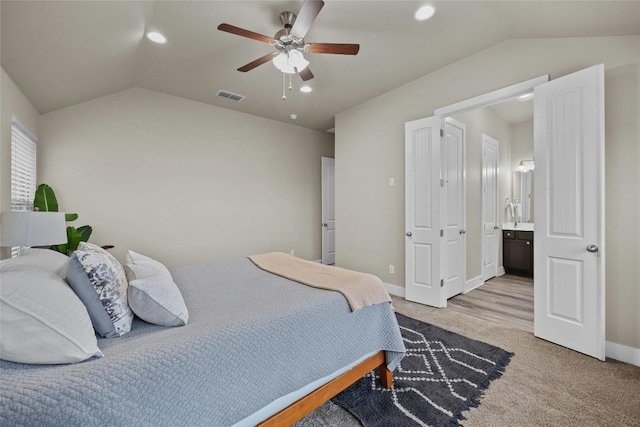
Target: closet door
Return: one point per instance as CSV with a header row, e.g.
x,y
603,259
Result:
x,y
423,233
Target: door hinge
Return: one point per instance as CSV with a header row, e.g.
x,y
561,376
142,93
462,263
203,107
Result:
x,y
441,233
441,133
442,183
442,283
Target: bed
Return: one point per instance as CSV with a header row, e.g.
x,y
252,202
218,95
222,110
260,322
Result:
x,y
258,348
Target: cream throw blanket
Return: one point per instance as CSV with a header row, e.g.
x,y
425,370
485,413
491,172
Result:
x,y
360,289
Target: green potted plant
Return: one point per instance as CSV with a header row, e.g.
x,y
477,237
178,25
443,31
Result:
x,y
45,201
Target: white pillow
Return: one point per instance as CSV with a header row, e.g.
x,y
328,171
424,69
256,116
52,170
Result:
x,y
138,266
153,296
158,300
41,320
46,259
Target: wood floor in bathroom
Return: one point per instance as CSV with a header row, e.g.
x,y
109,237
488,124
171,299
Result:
x,y
506,299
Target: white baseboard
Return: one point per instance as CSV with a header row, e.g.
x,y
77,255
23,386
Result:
x,y
394,289
613,350
622,353
501,271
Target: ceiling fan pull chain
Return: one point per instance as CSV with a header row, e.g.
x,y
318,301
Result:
x,y
290,87
284,84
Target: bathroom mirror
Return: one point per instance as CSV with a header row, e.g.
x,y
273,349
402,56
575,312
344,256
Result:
x,y
522,188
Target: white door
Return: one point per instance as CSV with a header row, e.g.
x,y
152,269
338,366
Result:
x,y
490,228
454,206
423,241
328,211
569,211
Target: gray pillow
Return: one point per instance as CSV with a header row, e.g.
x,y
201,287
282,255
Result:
x,y
107,279
82,286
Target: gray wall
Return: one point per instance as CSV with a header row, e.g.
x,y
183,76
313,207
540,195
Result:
x,y
182,181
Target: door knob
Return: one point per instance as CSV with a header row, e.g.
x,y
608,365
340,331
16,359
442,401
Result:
x,y
409,234
592,248
495,227
463,232
325,224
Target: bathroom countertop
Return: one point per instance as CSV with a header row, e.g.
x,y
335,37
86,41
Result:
x,y
522,226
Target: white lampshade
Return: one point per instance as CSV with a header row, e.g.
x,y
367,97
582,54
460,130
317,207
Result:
x,y
281,61
288,62
28,228
297,60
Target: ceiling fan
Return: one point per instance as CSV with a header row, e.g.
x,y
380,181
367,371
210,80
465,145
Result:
x,y
290,43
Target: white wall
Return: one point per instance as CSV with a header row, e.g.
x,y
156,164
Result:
x,y
182,181
479,122
622,196
370,149
13,104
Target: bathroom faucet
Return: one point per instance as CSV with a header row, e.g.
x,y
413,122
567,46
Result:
x,y
515,223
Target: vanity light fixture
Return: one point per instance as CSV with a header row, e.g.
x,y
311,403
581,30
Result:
x,y
526,166
156,37
424,13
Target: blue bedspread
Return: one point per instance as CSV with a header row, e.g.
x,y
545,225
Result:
x,y
252,338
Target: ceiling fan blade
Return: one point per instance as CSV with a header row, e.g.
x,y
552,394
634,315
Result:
x,y
306,74
251,65
245,33
306,16
336,48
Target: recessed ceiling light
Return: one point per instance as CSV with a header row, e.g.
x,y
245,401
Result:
x,y
424,13
156,37
293,116
306,89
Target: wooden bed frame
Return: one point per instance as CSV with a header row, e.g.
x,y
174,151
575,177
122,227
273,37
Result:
x,y
319,396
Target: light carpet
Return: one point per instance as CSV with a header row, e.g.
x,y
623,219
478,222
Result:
x,y
544,385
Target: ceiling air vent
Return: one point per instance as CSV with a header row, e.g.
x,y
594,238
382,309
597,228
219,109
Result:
x,y
230,95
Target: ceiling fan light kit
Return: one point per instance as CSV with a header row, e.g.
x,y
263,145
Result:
x,y
289,42
291,63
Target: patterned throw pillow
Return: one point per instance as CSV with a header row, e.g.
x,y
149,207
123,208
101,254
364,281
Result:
x,y
107,279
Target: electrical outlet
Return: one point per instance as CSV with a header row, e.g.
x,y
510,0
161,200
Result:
x,y
293,252
391,269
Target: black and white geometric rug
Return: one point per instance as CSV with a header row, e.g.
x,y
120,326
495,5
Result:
x,y
441,375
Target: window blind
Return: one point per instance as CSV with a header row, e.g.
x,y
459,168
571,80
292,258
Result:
x,y
23,170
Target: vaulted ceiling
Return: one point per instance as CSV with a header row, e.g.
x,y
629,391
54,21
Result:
x,y
61,53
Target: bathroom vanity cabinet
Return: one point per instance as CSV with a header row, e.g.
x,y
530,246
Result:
x,y
517,252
